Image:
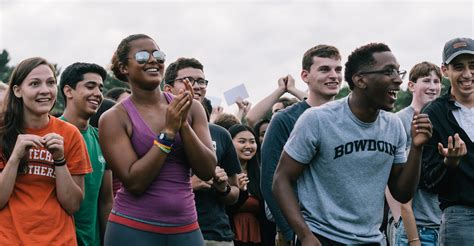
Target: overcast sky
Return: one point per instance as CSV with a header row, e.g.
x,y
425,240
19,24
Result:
x,y
250,42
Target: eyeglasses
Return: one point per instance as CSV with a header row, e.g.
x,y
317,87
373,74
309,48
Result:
x,y
202,83
143,56
388,72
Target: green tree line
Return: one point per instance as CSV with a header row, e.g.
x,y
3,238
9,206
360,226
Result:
x,y
403,100
6,71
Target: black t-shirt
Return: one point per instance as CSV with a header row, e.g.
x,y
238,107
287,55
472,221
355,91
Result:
x,y
213,220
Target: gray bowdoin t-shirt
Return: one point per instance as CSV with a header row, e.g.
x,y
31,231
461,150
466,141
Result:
x,y
342,191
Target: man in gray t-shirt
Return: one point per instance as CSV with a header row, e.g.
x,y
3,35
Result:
x,y
344,153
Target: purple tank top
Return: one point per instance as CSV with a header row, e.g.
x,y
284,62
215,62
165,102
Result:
x,y
170,198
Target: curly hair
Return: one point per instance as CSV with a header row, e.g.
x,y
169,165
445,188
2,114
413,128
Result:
x,y
361,58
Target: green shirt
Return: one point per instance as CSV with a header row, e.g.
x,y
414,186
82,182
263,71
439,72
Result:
x,y
87,218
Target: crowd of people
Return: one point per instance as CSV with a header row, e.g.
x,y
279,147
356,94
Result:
x,y
157,164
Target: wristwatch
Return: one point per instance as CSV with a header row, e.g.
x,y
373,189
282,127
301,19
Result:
x,y
226,192
165,139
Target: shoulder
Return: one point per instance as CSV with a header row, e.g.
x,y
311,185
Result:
x,y
63,126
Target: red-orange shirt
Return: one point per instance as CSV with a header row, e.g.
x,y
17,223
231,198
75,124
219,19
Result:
x,y
33,214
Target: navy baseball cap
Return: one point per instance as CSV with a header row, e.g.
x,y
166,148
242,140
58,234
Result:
x,y
457,46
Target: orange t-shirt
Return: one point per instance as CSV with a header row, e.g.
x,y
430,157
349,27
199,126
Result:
x,y
33,215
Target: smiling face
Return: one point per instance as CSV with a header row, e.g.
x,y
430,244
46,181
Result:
x,y
425,89
245,145
87,96
461,74
149,74
324,77
178,84
38,91
381,88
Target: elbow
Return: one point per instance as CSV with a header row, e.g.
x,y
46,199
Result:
x,y
207,173
135,189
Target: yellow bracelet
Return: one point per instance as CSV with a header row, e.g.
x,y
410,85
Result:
x,y
413,240
164,148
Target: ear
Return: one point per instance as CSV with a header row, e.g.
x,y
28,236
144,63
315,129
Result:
x,y
444,70
68,91
16,91
123,69
359,81
168,88
304,76
411,86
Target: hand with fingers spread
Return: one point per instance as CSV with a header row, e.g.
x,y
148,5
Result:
x,y
242,181
220,179
25,142
199,184
54,143
422,129
455,150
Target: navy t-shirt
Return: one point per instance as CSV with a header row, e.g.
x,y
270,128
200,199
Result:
x,y
213,220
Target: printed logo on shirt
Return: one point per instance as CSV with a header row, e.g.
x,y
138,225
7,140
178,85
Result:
x,y
214,145
40,162
364,145
102,160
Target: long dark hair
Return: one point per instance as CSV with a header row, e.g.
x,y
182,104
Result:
x,y
253,167
11,121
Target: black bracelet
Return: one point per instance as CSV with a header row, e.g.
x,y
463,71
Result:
x,y
226,192
60,163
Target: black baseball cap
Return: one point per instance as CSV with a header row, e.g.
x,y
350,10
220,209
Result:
x,y
457,46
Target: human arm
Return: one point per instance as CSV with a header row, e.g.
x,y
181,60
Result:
x,y
197,143
290,88
106,201
221,180
409,222
10,170
216,112
244,107
69,188
403,179
115,129
286,174
257,112
275,138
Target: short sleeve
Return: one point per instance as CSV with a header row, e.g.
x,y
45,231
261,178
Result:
x,y
302,145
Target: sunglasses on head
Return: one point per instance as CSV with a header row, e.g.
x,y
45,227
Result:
x,y
143,56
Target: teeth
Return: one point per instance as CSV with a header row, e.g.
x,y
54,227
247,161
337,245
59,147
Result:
x,y
43,100
152,70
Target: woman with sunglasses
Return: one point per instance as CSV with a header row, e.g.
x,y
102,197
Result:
x,y
42,162
153,141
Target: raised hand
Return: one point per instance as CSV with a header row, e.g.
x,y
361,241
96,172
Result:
x,y
177,111
422,129
282,83
290,83
455,150
54,143
23,143
244,106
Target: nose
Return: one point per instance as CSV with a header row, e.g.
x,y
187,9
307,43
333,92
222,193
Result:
x,y
468,73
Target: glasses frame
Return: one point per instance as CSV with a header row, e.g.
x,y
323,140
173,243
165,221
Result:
x,y
193,81
159,56
392,72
